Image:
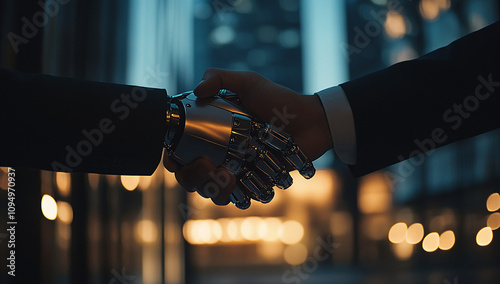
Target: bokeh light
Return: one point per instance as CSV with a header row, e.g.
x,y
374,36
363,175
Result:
x,y
291,232
415,233
222,35
444,4
64,212
93,181
397,233
493,202
431,242
146,231
145,182
395,25
484,236
289,38
403,250
272,229
233,230
250,228
374,194
447,240
63,232
325,183
295,254
429,9
493,221
271,250
130,182
169,179
63,182
49,207
202,10
216,230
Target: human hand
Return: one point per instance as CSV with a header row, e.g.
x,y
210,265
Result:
x,y
301,116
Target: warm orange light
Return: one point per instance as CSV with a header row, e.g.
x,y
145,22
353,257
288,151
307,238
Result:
x,y
493,202
93,181
145,182
317,190
444,4
63,181
49,207
270,250
493,221
187,232
64,212
484,236
415,233
169,178
272,229
262,229
397,233
146,231
395,25
233,229
130,182
403,250
64,233
429,9
223,222
376,226
374,194
206,232
291,232
431,242
250,228
295,254
199,202
216,230
340,223
447,240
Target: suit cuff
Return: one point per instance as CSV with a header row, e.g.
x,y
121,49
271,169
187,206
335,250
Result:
x,y
341,122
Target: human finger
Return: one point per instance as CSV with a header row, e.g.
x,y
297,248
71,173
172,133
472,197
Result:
x,y
195,174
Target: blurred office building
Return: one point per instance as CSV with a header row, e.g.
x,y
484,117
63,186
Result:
x,y
433,219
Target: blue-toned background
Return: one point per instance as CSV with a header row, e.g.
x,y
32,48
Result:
x,y
433,223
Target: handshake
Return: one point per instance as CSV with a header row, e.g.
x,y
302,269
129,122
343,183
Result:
x,y
257,154
226,146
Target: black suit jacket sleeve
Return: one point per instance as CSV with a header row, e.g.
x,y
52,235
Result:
x,y
418,105
64,124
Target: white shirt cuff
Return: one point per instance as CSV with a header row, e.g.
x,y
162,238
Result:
x,y
341,122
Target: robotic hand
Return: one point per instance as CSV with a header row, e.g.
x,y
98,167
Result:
x,y
258,154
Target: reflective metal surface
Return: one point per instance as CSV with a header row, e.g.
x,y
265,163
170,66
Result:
x,y
256,153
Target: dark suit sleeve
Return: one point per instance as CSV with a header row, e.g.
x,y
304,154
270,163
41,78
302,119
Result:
x,y
64,124
415,106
